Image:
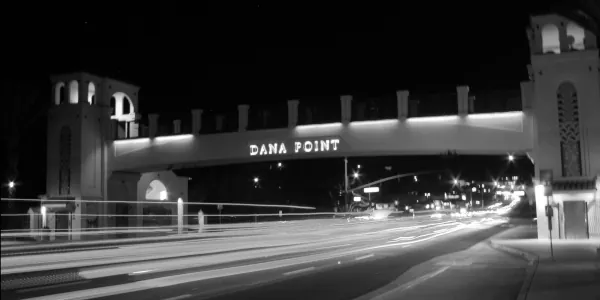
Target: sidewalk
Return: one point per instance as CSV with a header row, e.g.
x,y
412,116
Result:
x,y
574,272
477,273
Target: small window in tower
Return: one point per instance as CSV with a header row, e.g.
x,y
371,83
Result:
x,y
126,106
91,93
576,36
59,93
550,39
113,105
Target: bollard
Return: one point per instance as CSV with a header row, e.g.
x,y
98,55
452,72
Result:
x,y
200,221
179,216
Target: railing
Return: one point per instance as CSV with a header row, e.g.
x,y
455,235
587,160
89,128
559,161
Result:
x,y
319,110
370,108
497,101
268,116
429,105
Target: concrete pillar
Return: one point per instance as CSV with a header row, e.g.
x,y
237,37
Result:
x,y
402,102
196,120
346,108
243,117
176,126
293,113
83,91
563,38
153,124
462,99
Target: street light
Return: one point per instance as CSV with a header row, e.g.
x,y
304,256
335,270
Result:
x,y
11,184
255,179
511,158
355,175
358,166
279,165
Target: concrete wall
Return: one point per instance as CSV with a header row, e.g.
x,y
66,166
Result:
x,y
498,133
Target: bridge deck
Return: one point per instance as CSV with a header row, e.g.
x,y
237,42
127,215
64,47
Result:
x,y
497,133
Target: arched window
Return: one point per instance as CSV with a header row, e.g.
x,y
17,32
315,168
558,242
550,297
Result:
x,y
126,105
576,36
113,106
91,98
550,39
64,171
59,93
156,191
568,122
73,92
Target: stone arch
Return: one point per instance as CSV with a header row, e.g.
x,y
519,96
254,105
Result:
x,y
157,191
576,36
64,171
73,92
122,104
59,93
569,130
91,98
550,39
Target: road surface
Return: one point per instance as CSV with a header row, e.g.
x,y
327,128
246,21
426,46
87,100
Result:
x,y
345,261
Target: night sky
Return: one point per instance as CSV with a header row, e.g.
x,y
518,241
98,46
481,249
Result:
x,y
209,57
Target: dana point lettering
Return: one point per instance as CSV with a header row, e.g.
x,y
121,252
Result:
x,y
296,147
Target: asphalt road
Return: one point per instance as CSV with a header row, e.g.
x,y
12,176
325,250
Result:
x,y
346,265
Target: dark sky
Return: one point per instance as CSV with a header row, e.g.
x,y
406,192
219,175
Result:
x,y
206,56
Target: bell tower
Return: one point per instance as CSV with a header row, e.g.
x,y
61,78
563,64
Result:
x,y
566,84
87,113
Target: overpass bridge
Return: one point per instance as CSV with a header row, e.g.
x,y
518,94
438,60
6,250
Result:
x,y
100,149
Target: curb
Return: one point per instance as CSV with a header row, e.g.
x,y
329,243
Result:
x,y
531,268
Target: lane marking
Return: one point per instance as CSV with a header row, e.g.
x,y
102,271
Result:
x,y
141,272
179,297
299,271
363,257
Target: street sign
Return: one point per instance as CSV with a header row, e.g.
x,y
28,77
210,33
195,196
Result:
x,y
357,199
373,189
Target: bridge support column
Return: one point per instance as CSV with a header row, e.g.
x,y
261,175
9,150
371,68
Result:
x,y
243,117
153,124
402,99
196,121
123,186
293,113
463,100
346,108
